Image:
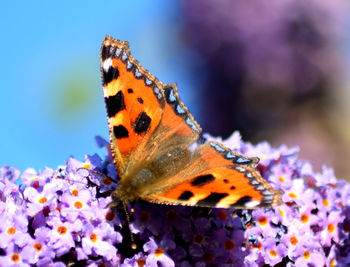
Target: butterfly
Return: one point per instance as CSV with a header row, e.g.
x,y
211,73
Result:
x,y
153,139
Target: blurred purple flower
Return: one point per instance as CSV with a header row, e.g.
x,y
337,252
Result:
x,y
281,53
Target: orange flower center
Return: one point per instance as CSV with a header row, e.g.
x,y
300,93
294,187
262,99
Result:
x,y
273,253
93,238
78,205
333,263
304,218
292,195
11,231
293,240
229,245
281,179
306,254
331,227
325,202
75,192
158,252
207,257
42,200
15,258
222,215
110,216
262,221
38,247
141,262
61,230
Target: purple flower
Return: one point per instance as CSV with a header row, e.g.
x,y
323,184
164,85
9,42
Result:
x,y
13,230
59,217
76,203
16,256
331,231
62,234
94,241
156,254
273,252
9,173
31,177
37,201
43,253
137,260
145,221
307,257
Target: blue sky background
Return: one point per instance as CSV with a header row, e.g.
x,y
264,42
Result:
x,y
51,95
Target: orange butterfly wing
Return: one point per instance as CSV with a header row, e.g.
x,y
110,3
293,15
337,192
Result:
x,y
218,177
133,98
151,131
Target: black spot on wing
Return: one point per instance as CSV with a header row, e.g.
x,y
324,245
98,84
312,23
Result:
x,y
232,187
140,100
115,104
170,95
109,75
186,195
202,180
225,181
105,53
142,123
120,132
242,201
130,91
212,199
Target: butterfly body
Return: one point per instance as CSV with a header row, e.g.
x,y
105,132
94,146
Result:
x,y
153,143
142,180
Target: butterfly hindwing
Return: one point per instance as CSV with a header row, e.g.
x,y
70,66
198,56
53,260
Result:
x,y
217,177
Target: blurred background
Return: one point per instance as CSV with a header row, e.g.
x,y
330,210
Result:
x,y
276,71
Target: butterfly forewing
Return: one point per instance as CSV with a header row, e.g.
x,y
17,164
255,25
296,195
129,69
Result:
x,y
177,128
134,102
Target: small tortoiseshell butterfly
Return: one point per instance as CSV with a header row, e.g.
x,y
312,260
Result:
x,y
151,133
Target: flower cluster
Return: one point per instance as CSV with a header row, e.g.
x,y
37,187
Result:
x,y
61,217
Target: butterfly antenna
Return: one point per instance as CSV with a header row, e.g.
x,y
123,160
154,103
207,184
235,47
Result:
x,y
99,173
133,245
